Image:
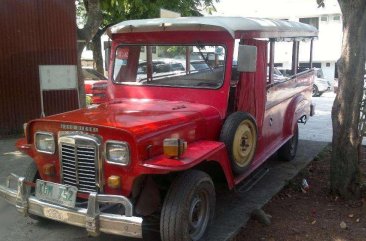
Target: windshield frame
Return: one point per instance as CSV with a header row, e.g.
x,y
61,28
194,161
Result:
x,y
220,44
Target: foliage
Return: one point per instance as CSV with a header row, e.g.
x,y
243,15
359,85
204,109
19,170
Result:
x,y
172,51
115,11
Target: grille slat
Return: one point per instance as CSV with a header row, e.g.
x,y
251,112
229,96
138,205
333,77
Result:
x,y
85,156
78,165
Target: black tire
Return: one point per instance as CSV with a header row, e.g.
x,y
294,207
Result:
x,y
239,161
191,196
315,91
288,151
31,175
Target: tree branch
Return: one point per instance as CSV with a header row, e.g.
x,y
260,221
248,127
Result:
x,y
94,19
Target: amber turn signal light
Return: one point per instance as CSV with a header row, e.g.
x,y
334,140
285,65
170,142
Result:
x,y
49,169
114,182
174,147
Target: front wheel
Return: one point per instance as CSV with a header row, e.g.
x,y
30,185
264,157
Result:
x,y
188,207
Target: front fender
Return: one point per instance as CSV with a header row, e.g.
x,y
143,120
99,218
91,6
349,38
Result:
x,y
196,153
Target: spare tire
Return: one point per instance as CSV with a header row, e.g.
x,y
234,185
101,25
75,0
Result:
x,y
239,133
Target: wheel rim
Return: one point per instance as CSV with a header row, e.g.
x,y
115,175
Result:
x,y
314,90
293,145
199,214
244,143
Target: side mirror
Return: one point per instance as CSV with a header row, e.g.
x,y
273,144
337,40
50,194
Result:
x,y
247,58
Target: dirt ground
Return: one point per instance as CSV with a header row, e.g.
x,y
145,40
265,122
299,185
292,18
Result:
x,y
312,214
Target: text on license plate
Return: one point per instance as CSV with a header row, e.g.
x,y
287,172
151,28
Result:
x,y
64,195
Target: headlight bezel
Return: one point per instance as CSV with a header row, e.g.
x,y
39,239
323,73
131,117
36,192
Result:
x,y
114,142
50,134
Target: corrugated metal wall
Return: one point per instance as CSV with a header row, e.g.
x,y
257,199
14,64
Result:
x,y
34,32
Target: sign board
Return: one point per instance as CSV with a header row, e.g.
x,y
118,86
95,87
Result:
x,y
58,77
247,58
168,14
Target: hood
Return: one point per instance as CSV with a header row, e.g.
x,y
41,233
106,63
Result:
x,y
143,117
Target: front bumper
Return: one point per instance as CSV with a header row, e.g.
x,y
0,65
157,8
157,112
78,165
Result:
x,y
90,218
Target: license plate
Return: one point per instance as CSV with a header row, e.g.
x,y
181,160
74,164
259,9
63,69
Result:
x,y
64,195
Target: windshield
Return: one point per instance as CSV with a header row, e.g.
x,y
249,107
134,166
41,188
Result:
x,y
199,66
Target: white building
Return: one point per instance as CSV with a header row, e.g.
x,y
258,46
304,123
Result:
x,y
327,48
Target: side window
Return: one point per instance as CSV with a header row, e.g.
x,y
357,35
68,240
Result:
x,y
289,59
283,52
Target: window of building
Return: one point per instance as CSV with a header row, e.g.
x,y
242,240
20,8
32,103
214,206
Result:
x,y
311,21
337,18
324,18
153,49
142,49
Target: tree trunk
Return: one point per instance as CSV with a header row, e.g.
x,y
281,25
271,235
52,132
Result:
x,y
81,86
94,19
97,51
344,166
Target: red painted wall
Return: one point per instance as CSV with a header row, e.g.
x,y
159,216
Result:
x,y
33,33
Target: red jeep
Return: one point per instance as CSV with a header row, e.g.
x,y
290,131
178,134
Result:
x,y
161,140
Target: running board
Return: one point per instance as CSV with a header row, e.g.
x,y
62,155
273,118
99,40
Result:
x,y
254,179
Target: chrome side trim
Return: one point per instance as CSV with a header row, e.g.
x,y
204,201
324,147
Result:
x,y
91,218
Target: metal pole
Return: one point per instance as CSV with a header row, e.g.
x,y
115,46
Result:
x,y
311,53
41,91
271,59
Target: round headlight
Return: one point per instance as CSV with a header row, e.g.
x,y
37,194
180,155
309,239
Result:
x,y
45,142
117,152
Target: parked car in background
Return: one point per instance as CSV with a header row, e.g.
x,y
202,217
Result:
x,y
320,85
95,85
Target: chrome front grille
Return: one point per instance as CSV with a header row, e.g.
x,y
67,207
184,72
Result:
x,y
80,162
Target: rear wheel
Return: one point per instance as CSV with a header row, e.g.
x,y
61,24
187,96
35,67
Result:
x,y
288,151
315,91
188,207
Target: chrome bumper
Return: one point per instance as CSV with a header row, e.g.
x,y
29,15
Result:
x,y
90,218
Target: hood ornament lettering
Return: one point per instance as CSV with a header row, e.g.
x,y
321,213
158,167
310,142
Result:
x,y
79,128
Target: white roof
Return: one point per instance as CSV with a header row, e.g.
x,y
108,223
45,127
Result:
x,y
236,26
